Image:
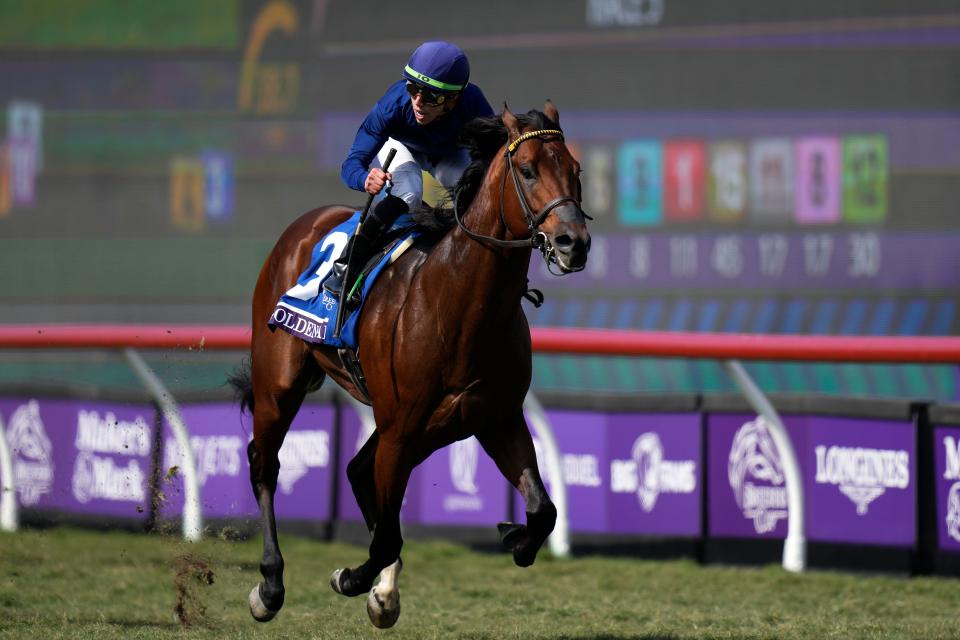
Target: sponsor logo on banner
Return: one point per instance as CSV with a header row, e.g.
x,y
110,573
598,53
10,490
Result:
x,y
756,476
101,476
951,471
579,469
648,474
464,456
214,456
302,451
33,465
862,474
953,512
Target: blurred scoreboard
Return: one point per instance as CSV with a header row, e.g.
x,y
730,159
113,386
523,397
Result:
x,y
769,166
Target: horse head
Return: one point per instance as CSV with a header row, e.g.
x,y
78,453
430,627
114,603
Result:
x,y
546,180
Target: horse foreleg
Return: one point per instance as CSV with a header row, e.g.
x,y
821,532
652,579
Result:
x,y
512,450
390,474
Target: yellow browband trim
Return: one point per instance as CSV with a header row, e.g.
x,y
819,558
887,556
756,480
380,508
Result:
x,y
533,134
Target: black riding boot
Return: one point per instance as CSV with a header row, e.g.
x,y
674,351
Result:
x,y
363,244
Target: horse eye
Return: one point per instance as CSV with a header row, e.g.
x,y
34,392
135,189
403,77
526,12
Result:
x,y
527,172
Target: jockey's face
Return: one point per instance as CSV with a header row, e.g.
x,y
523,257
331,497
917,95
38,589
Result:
x,y
426,113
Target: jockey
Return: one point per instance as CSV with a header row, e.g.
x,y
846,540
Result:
x,y
421,117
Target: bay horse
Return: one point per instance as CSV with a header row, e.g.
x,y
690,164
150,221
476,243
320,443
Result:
x,y
444,344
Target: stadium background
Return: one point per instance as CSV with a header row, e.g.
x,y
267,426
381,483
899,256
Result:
x,y
752,166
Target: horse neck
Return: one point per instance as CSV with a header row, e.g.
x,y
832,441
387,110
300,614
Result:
x,y
497,275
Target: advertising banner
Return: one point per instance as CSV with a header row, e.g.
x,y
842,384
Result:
x,y
582,439
655,474
946,447
219,434
859,480
746,489
92,458
627,473
461,485
858,474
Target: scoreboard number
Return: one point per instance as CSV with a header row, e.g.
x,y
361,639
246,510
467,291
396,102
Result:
x,y
187,193
773,249
771,180
6,197
817,254
728,180
865,175
639,183
598,181
817,197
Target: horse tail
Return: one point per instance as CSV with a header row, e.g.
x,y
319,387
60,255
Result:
x,y
242,386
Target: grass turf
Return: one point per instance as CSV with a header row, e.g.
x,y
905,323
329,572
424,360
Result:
x,y
73,583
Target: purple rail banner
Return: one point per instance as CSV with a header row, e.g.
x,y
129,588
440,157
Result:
x,y
219,434
81,456
859,478
627,473
946,442
460,485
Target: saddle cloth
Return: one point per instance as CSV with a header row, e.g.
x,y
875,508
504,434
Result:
x,y
308,311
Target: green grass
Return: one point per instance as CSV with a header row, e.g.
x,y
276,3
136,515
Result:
x,y
69,583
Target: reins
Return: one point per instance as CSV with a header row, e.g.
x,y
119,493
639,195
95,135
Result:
x,y
536,240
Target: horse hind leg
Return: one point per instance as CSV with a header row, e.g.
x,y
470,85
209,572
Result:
x,y
273,413
512,450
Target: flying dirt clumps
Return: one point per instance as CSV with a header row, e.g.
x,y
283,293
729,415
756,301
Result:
x,y
193,575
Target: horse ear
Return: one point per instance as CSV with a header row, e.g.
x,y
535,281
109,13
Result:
x,y
510,122
551,111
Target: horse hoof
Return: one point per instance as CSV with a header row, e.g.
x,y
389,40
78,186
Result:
x,y
511,534
258,609
380,616
335,581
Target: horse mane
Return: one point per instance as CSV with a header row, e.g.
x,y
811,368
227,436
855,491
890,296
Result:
x,y
482,138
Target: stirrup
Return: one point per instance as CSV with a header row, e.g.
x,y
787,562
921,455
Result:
x,y
334,282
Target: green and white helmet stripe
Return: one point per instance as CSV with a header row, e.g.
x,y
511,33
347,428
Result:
x,y
443,86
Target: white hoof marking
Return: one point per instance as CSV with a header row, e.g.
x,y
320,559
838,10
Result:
x,y
258,610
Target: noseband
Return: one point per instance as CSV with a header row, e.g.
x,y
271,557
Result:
x,y
537,239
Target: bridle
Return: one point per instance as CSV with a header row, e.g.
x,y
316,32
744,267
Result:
x,y
537,239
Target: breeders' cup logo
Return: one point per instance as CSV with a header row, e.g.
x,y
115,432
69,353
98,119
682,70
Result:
x,y
951,471
862,474
328,301
463,465
648,474
302,451
33,464
754,458
953,512
464,457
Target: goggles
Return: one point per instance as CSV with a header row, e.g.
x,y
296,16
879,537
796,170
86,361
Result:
x,y
429,96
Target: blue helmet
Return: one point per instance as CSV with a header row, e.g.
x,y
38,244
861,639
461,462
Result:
x,y
438,65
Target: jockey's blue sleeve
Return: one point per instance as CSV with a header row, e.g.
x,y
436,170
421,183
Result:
x,y
392,117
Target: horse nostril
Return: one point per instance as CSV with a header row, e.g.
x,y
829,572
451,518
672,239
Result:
x,y
563,242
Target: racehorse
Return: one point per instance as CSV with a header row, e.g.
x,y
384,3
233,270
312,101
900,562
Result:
x,y
444,344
